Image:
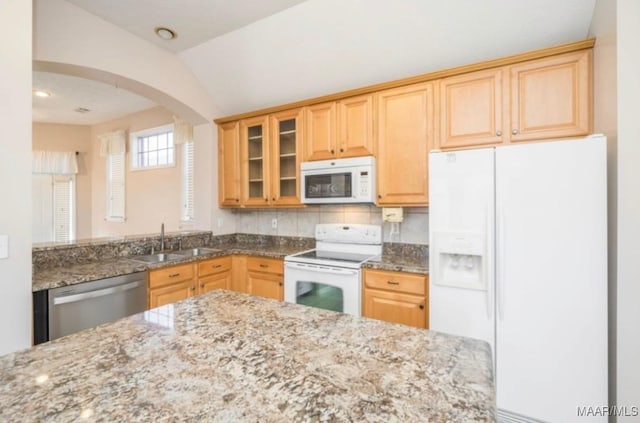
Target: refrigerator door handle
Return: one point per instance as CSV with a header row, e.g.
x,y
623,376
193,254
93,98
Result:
x,y
502,252
487,261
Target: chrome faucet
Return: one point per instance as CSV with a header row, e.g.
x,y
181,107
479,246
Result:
x,y
162,237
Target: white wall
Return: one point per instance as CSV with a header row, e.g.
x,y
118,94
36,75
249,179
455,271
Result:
x,y
628,248
68,39
603,27
15,172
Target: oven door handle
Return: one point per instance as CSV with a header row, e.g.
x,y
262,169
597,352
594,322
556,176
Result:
x,y
321,269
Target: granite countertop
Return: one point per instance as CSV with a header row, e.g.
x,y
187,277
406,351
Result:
x,y
226,356
407,259
53,277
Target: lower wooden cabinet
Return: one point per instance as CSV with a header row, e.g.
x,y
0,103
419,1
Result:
x,y
397,297
265,277
171,284
214,274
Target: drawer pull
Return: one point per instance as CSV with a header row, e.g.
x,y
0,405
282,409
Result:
x,y
173,275
421,307
264,266
193,288
215,266
393,283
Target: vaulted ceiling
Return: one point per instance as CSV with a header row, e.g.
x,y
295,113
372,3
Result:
x,y
249,55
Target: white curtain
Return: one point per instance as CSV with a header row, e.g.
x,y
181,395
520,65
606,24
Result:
x,y
112,143
55,162
182,131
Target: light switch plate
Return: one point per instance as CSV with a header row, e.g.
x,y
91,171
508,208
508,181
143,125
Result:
x,y
4,246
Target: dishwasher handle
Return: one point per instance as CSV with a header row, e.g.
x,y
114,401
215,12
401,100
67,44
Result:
x,y
94,294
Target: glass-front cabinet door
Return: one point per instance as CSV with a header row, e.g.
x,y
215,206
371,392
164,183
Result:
x,y
254,148
286,142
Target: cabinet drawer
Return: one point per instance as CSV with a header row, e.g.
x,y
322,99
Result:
x,y
170,275
216,265
264,264
409,283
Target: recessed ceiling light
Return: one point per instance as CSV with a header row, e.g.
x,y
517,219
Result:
x,y
41,93
165,33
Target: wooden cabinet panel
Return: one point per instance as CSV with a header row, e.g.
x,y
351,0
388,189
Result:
x,y
215,265
229,164
171,293
286,155
239,274
551,97
220,280
410,283
471,109
404,134
266,285
171,275
320,131
355,127
254,160
397,308
265,264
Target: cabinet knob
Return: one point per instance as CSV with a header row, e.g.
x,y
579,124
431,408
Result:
x,y
514,132
266,199
237,200
421,307
379,196
498,133
193,288
280,283
273,199
342,150
332,151
201,285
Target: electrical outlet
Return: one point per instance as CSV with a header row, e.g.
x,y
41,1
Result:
x,y
274,223
392,214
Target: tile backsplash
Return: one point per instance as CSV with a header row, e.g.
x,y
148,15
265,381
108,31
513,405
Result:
x,y
301,222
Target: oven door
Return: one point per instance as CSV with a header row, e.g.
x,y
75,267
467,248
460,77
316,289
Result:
x,y
326,287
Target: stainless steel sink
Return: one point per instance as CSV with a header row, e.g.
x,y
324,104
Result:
x,y
193,252
157,258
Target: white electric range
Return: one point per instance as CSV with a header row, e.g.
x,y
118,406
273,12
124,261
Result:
x,y
329,276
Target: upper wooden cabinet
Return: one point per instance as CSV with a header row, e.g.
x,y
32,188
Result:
x,y
471,109
339,129
270,155
405,130
551,97
229,164
538,99
285,154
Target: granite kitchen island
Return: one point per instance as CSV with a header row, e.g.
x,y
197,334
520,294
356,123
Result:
x,y
226,356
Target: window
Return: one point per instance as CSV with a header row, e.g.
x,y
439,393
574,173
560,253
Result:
x,y
64,208
153,148
187,182
115,187
54,208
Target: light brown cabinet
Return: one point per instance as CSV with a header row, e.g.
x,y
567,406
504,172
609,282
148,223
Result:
x,y
405,127
538,99
171,284
551,97
339,129
397,297
214,274
265,277
471,109
229,164
254,160
286,155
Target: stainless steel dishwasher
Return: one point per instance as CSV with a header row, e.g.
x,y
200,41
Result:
x,y
88,304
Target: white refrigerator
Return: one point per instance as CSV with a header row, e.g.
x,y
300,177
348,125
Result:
x,y
518,258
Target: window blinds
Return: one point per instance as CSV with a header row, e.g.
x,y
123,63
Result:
x,y
116,187
187,182
63,208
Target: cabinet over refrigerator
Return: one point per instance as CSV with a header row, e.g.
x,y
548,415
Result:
x,y
518,258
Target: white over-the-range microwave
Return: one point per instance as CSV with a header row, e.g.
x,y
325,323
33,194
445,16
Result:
x,y
339,181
